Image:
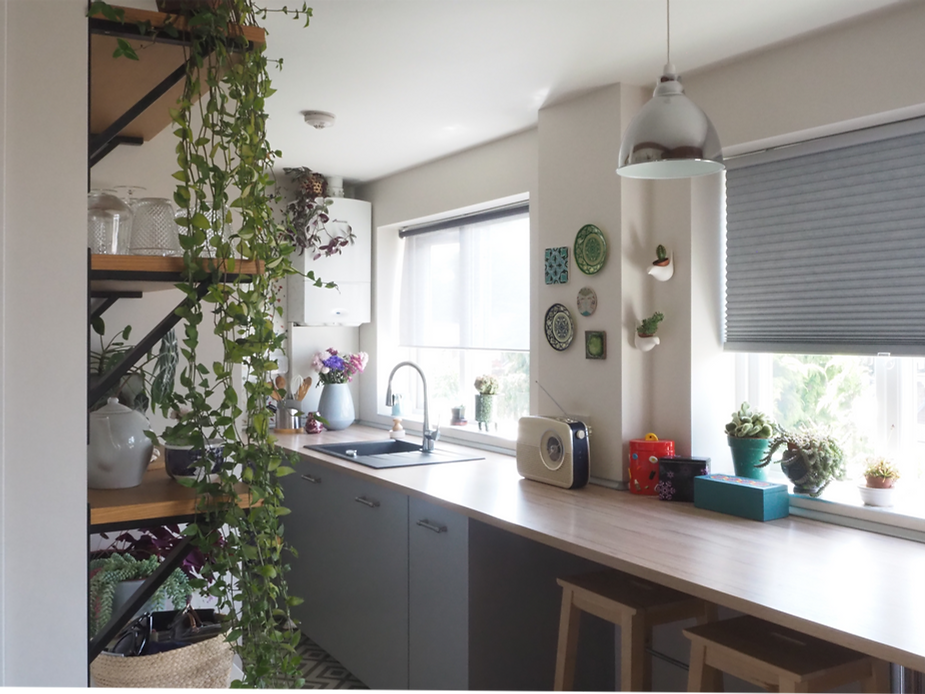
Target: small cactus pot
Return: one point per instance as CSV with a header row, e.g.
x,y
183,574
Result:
x,y
484,410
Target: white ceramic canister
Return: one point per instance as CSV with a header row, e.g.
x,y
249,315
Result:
x,y
119,451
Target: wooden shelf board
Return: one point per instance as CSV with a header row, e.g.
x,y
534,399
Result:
x,y
159,264
157,498
117,84
148,273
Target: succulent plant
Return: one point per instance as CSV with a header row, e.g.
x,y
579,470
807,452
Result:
x,y
881,467
650,325
811,459
749,424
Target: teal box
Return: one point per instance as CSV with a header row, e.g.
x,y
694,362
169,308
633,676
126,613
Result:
x,y
740,496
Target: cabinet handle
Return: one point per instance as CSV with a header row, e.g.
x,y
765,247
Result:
x,y
366,502
432,526
310,478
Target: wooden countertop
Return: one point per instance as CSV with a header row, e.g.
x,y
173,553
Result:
x,y
852,587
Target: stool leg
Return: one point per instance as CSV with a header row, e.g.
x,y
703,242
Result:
x,y
695,674
569,621
879,680
633,654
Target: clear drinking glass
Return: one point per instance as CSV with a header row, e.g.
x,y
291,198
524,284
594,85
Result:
x,y
109,223
154,229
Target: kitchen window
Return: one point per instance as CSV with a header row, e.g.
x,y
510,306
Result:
x,y
825,241
464,301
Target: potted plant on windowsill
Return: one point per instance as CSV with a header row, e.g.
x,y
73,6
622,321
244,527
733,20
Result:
x,y
645,332
487,387
811,459
880,476
747,433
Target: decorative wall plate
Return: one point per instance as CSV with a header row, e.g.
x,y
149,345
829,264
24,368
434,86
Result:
x,y
557,265
595,344
559,327
590,249
587,301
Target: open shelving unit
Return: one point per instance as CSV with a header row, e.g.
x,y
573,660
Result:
x,y
130,103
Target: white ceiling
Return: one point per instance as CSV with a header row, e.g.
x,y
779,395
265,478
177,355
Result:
x,y
414,80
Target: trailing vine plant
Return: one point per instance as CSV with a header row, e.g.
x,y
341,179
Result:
x,y
224,172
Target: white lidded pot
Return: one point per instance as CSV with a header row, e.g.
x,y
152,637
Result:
x,y
119,452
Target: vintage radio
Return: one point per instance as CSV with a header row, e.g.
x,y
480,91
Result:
x,y
554,450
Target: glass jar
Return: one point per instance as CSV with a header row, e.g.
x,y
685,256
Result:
x,y
154,229
109,223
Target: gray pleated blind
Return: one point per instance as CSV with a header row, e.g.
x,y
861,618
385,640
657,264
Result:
x,y
825,247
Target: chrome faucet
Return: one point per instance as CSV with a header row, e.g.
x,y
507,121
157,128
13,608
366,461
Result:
x,y
430,436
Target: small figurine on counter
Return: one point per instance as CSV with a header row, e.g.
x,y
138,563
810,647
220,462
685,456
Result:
x,y
313,424
397,432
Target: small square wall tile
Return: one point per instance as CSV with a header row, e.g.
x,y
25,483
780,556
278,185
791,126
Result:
x,y
557,265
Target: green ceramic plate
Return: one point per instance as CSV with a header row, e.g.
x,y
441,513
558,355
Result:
x,y
560,330
590,249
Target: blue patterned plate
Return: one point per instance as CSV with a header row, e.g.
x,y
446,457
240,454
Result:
x,y
560,330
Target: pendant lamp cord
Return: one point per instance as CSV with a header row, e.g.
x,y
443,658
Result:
x,y
668,27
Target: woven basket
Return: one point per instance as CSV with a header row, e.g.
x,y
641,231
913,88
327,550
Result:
x,y
203,665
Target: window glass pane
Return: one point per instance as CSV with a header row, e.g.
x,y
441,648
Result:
x,y
464,313
467,286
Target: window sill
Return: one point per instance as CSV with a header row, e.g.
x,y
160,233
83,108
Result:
x,y
841,504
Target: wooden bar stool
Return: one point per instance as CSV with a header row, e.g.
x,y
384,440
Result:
x,y
633,604
777,659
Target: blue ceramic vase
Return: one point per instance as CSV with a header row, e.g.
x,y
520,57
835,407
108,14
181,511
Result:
x,y
336,406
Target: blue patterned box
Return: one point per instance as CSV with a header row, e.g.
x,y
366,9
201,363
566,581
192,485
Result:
x,y
742,497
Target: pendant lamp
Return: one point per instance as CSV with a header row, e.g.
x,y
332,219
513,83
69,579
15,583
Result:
x,y
670,137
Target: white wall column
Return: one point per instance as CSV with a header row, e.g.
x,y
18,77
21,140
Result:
x,y
43,330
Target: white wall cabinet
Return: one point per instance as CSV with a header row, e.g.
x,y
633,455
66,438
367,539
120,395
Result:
x,y
410,595
351,270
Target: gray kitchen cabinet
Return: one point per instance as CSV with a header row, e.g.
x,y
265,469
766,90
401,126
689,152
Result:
x,y
311,496
438,597
352,571
407,594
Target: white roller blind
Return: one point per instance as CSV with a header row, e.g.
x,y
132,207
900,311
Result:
x,y
467,285
825,248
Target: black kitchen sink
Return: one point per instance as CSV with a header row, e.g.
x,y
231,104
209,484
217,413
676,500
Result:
x,y
390,453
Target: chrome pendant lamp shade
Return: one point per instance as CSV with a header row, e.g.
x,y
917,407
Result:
x,y
670,137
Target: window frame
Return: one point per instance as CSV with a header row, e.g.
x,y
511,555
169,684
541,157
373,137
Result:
x,y
388,262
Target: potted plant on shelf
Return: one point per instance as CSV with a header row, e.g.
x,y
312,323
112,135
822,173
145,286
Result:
x,y
487,387
306,226
115,576
880,476
747,433
645,332
811,459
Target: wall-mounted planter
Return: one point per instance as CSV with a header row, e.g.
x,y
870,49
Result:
x,y
646,343
664,272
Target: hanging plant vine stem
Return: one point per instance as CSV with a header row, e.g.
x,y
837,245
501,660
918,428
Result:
x,y
225,168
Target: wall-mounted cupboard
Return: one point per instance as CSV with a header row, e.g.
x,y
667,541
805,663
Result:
x,y
351,270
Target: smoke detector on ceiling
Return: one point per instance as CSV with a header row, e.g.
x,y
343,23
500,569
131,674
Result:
x,y
319,119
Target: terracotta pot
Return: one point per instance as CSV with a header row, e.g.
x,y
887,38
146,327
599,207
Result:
x,y
879,482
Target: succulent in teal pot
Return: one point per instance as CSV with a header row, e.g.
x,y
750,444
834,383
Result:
x,y
748,432
811,458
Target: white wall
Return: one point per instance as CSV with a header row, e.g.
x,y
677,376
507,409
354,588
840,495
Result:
x,y
43,512
578,144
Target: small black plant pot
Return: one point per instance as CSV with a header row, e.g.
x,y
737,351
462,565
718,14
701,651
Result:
x,y
797,472
183,461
